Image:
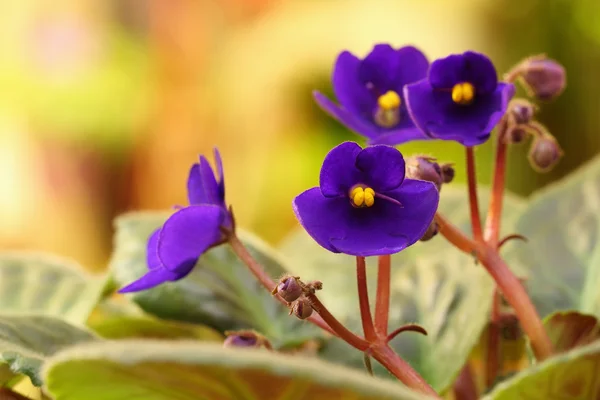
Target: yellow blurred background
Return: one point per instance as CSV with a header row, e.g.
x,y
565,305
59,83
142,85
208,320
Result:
x,y
105,104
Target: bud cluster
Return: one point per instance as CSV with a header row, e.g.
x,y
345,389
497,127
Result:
x,y
293,291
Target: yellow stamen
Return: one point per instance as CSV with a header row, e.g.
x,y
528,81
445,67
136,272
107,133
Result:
x,y
387,114
463,93
362,197
389,101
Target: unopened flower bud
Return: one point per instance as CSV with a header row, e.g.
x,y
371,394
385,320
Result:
x,y
543,77
431,231
424,168
289,288
447,172
302,308
245,338
516,134
522,111
544,153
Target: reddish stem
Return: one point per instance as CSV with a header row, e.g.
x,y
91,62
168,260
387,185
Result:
x,y
257,270
473,202
465,387
363,300
341,331
493,343
382,302
492,224
507,282
406,328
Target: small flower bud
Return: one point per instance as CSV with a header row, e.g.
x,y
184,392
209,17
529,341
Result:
x,y
522,111
544,78
302,308
245,338
289,288
431,232
447,172
516,134
424,168
544,153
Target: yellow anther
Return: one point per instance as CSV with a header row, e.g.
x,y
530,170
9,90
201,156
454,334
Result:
x,y
389,101
463,93
362,197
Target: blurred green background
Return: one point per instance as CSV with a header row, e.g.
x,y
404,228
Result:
x,y
105,104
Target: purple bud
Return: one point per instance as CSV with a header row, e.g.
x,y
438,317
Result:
x,y
522,111
302,308
289,288
431,232
544,153
245,338
544,78
447,172
424,168
516,134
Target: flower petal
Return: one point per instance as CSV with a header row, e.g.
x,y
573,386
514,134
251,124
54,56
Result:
x,y
385,228
436,114
380,68
220,175
412,67
352,94
346,118
471,67
152,259
383,167
399,136
153,278
187,234
339,173
202,185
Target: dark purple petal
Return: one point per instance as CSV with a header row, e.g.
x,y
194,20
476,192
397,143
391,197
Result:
x,y
202,185
351,121
470,67
352,94
339,173
380,68
412,67
399,136
187,234
385,228
439,117
154,278
383,167
152,259
220,175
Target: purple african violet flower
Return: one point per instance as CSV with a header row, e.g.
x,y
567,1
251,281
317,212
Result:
x,y
460,100
370,93
174,249
364,206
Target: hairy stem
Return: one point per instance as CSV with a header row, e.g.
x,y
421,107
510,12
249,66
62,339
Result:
x,y
473,201
507,282
363,300
382,303
258,271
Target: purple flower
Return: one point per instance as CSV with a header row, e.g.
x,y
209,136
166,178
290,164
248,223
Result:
x,y
460,100
370,93
364,206
174,249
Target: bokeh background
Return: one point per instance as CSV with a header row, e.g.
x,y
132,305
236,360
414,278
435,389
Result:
x,y
105,104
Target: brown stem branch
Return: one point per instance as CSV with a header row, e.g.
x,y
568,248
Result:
x,y
493,343
382,302
363,300
473,201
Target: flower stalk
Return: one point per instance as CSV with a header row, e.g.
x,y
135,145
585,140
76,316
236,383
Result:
x,y
382,303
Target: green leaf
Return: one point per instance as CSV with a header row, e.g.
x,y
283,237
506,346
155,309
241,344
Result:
x,y
433,284
571,329
165,371
44,284
26,341
120,327
220,292
572,375
562,256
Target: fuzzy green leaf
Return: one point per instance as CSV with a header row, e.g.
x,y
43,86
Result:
x,y
165,371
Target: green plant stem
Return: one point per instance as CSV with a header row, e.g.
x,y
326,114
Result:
x,y
382,301
363,300
473,201
507,282
258,271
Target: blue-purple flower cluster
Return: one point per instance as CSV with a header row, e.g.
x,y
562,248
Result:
x,y
364,205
